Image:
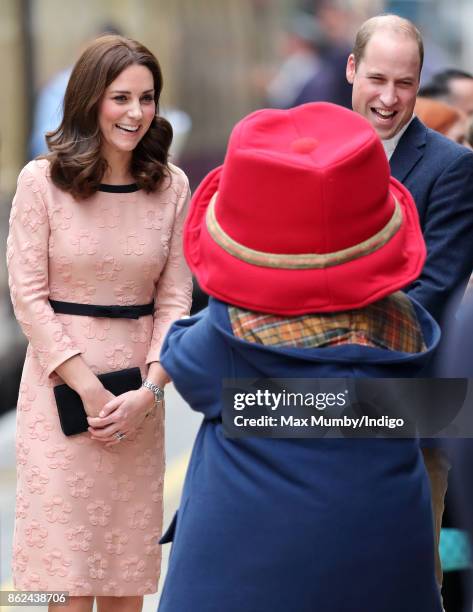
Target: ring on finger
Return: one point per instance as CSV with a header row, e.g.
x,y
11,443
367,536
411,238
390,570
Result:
x,y
119,435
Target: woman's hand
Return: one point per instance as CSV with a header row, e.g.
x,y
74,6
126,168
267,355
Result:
x,y
77,374
94,401
123,414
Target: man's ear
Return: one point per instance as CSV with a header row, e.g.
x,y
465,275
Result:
x,y
350,72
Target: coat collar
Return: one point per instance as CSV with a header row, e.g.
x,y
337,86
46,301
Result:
x,y
409,150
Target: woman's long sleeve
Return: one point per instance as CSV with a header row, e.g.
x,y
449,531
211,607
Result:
x,y
27,260
174,288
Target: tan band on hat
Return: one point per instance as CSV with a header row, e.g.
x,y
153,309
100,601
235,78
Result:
x,y
302,261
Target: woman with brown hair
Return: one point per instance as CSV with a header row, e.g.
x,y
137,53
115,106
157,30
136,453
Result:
x,y
97,276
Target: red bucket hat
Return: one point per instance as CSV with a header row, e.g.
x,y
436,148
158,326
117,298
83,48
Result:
x,y
303,216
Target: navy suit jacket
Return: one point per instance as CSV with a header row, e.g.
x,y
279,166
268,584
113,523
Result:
x,y
439,174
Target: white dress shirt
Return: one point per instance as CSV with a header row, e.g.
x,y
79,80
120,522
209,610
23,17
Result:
x,y
391,143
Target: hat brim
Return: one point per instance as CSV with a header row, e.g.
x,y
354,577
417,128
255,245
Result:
x,y
346,286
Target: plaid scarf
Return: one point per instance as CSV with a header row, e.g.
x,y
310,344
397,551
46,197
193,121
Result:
x,y
390,323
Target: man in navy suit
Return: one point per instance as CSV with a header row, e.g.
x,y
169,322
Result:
x,y
384,70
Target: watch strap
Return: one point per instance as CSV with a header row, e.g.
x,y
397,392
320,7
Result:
x,y
156,389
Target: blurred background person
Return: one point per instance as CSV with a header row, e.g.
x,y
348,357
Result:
x,y
338,20
443,118
303,46
314,49
453,86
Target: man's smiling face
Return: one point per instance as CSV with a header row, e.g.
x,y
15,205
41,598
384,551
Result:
x,y
385,81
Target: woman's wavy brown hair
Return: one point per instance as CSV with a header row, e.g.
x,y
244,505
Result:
x,y
77,165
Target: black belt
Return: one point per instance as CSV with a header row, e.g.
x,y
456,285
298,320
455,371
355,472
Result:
x,y
94,310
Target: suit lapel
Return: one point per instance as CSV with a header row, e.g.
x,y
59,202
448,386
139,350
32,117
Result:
x,y
409,150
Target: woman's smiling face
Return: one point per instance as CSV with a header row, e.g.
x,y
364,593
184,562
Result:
x,y
126,110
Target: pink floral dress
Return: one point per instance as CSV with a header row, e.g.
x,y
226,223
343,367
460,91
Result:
x,y
88,518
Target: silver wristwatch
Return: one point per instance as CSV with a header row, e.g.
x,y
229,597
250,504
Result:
x,y
158,391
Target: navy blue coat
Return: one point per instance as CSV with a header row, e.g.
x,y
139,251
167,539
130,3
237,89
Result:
x,y
439,174
295,525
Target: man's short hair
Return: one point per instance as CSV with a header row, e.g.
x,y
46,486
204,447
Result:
x,y
394,23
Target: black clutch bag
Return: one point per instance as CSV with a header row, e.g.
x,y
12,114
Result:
x,y
70,408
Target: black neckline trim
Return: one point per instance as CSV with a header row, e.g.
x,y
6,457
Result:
x,y
130,188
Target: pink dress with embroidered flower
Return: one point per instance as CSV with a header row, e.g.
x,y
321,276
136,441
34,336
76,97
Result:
x,y
88,518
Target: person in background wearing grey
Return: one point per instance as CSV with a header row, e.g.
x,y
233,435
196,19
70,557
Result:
x,y
303,45
384,69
